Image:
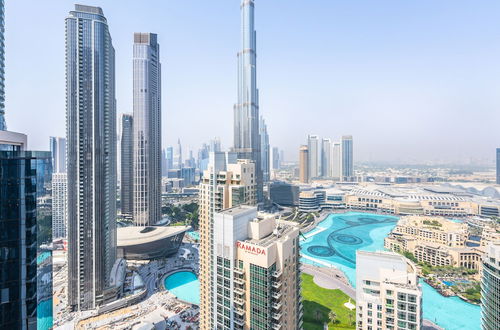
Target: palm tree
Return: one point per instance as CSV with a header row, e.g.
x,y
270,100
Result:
x,y
332,316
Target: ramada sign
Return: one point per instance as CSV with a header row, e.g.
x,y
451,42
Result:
x,y
250,248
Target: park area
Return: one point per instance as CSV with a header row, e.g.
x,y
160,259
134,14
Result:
x,y
325,306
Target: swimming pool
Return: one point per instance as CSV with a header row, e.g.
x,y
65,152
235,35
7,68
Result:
x,y
194,235
345,233
185,286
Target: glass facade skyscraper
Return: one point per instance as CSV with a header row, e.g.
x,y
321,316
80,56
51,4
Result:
x,y
91,141
127,165
265,151
58,150
490,288
347,158
147,129
326,158
26,233
246,112
3,125
314,163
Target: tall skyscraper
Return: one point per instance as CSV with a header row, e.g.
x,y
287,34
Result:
x,y
498,165
256,271
59,205
490,289
313,147
91,138
58,150
164,166
147,129
169,155
264,151
178,155
25,224
276,159
246,112
326,157
388,295
336,161
347,158
3,125
304,164
190,161
226,183
127,165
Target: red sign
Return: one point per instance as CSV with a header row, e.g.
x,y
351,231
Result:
x,y
250,248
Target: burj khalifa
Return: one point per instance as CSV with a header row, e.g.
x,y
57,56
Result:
x,y
246,111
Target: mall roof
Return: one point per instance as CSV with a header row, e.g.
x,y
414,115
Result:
x,y
141,235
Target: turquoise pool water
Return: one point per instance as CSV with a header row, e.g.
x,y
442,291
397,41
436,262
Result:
x,y
42,257
347,232
185,286
194,235
451,313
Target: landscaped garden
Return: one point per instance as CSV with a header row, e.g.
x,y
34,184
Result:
x,y
325,306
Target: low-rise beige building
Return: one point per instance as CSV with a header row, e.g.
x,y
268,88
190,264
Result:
x,y
433,230
489,235
435,241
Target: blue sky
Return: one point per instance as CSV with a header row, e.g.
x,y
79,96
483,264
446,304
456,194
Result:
x,y
410,80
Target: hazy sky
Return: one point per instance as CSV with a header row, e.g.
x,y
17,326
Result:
x,y
410,80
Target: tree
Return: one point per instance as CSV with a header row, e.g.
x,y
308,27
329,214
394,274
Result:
x,y
332,316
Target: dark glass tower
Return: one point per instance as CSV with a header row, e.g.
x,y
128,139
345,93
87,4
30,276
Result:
x,y
127,165
3,126
147,129
25,236
91,142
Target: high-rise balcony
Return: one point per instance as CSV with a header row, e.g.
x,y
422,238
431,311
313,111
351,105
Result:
x,y
276,285
239,301
276,316
239,281
277,274
276,326
239,271
276,295
239,321
277,305
239,291
239,311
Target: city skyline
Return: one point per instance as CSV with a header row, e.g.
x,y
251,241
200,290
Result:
x,y
442,87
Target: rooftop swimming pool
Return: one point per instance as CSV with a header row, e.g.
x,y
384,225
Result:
x,y
334,243
185,286
194,235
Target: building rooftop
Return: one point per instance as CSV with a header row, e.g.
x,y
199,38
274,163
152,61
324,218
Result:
x,y
433,223
89,9
141,235
241,209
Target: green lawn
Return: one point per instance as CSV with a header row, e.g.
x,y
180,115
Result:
x,y
319,302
